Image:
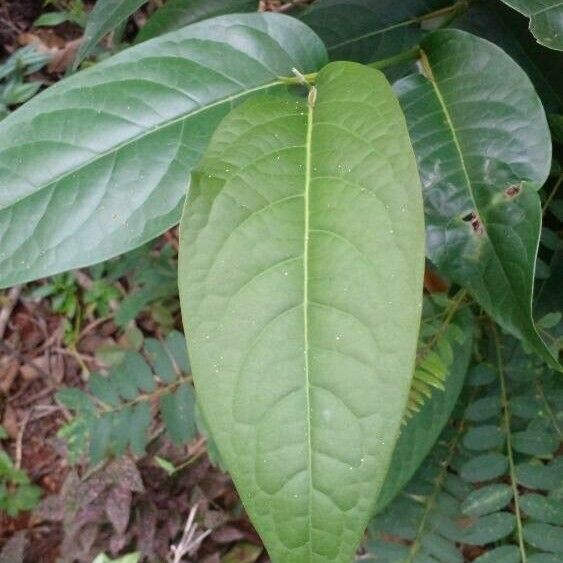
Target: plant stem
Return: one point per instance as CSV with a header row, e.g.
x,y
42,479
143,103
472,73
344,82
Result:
x,y
438,484
192,459
409,55
506,423
450,11
447,317
308,78
144,397
404,56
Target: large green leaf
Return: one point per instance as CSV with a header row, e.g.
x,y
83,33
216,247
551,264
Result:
x,y
301,263
106,16
178,13
483,149
366,30
546,20
509,30
422,431
99,163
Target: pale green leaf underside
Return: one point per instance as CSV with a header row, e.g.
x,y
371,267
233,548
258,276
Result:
x,y
301,265
98,164
546,20
483,148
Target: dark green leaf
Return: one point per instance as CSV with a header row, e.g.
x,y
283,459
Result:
x,y
545,509
481,374
139,426
51,19
456,486
386,552
367,30
137,369
486,437
509,30
546,20
124,383
175,343
483,212
76,400
121,431
545,558
100,438
525,406
535,442
544,536
487,499
490,528
103,388
179,13
483,409
161,360
539,476
401,519
440,548
502,554
484,467
106,16
292,210
178,413
86,173
550,320
110,354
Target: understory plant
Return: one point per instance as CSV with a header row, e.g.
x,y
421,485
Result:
x,y
336,160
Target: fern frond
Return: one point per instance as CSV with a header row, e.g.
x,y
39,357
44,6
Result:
x,y
118,408
435,354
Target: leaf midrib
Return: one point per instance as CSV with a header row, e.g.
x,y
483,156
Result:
x,y
146,133
546,9
430,75
306,231
405,23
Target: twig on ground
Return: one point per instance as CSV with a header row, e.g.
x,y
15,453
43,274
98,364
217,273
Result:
x,y
6,311
189,542
19,439
4,347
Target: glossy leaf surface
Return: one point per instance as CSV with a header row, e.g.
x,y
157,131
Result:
x,y
546,20
99,163
507,28
483,149
366,30
105,17
179,13
301,264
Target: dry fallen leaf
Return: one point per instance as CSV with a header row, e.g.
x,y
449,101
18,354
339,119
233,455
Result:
x,y
29,371
9,368
62,58
10,422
